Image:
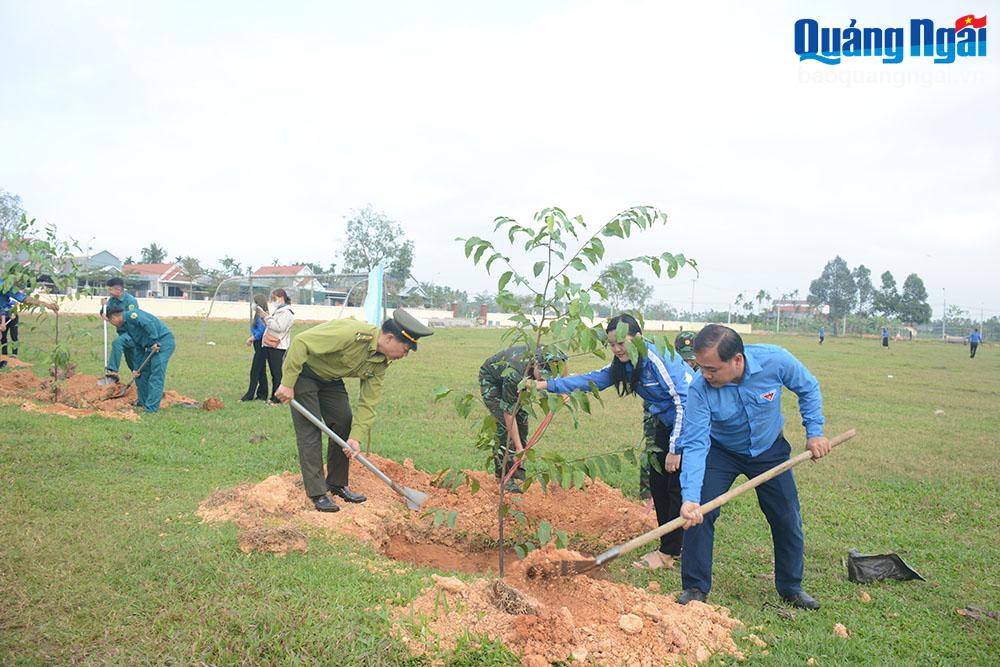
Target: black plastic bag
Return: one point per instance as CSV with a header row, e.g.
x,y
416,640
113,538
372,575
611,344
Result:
x,y
862,569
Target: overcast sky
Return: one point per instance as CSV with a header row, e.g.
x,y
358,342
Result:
x,y
253,129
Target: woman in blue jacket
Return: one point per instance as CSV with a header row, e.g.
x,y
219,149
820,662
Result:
x,y
258,370
663,383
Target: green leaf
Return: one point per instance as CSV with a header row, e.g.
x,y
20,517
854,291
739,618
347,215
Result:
x,y
520,551
578,264
504,279
473,486
621,331
438,518
579,478
440,392
544,532
452,518
562,540
469,244
538,268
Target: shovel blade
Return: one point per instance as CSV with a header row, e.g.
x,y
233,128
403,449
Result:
x,y
414,499
104,381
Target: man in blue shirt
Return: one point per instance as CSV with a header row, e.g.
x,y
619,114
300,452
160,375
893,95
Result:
x,y
149,335
122,344
975,338
11,300
733,426
822,334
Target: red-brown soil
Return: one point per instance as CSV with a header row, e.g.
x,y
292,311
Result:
x,y
78,396
544,618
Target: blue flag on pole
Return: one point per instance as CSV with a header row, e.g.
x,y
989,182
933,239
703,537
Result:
x,y
373,300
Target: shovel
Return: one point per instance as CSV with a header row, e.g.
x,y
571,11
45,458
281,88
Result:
x,y
105,380
531,443
414,499
572,567
124,390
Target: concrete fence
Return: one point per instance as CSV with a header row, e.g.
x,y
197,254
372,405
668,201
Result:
x,y
240,310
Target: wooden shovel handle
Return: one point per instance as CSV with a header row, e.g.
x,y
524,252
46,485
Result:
x,y
719,501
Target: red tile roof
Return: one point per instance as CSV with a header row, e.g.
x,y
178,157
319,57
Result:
x,y
279,270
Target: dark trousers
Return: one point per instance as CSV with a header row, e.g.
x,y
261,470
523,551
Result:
x,y
666,490
972,350
275,358
328,400
10,333
778,499
258,373
885,342
500,445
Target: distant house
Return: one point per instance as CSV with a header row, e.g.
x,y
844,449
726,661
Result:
x,y
794,309
95,269
303,286
158,280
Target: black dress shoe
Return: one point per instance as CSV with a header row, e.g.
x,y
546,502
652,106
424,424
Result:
x,y
346,494
246,397
802,600
689,594
324,504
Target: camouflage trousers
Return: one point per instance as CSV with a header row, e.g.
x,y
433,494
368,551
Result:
x,y
499,408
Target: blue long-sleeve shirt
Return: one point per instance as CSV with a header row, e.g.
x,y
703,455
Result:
x,y
145,329
258,328
975,337
663,383
745,418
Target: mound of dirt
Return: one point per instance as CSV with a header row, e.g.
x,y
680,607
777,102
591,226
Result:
x,y
567,619
547,618
599,516
14,362
79,396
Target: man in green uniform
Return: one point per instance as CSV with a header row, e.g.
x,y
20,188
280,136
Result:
x,y
499,377
151,338
317,362
684,346
123,343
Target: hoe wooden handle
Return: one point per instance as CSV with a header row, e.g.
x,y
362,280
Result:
x,y
719,501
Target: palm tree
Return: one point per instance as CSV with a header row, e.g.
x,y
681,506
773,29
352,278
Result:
x,y
153,254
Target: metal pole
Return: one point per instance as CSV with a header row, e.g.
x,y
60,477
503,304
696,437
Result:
x,y
944,310
729,313
693,281
777,328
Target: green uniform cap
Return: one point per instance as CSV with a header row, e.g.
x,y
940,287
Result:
x,y
408,327
684,345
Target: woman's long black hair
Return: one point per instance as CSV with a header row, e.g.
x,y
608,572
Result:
x,y
624,384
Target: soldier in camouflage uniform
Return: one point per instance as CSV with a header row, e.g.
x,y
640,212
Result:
x,y
684,346
499,377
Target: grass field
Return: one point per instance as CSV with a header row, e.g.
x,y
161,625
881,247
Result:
x,y
103,561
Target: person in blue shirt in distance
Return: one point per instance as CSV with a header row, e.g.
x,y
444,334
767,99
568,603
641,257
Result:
x,y
258,364
734,426
663,383
975,338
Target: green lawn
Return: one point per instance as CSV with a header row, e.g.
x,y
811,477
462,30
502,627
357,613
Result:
x,y
102,559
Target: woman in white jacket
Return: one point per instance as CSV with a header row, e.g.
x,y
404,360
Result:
x,y
277,335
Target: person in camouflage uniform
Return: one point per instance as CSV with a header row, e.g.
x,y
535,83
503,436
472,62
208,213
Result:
x,y
499,377
684,346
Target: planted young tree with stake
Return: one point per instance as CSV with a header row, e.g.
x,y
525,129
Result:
x,y
564,284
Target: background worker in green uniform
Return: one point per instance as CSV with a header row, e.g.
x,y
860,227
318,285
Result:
x,y
317,362
499,377
148,335
684,346
122,344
